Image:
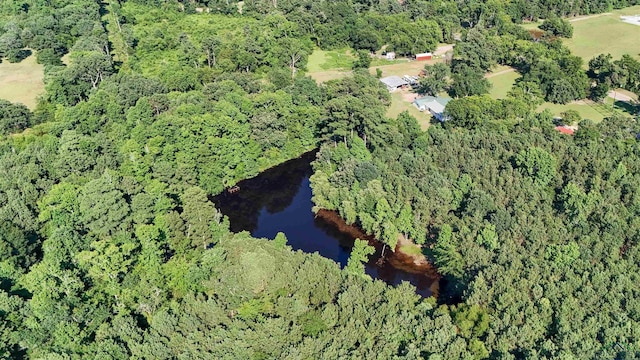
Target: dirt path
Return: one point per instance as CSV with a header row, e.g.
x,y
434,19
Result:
x,y
588,17
620,96
506,71
441,50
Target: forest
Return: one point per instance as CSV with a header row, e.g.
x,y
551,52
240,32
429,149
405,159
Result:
x,y
110,247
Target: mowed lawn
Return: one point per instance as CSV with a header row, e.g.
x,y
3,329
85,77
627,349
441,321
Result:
x,y
605,34
502,81
324,76
22,82
532,25
324,65
400,104
596,113
322,60
411,68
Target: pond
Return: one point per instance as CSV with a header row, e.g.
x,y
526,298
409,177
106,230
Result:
x,y
279,200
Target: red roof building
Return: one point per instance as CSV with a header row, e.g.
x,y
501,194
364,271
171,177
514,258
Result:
x,y
424,56
565,130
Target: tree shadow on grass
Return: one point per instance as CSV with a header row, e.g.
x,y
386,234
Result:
x,y
626,107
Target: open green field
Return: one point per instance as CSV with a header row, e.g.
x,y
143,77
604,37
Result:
x,y
329,65
594,112
501,82
321,60
324,65
324,76
403,68
22,82
400,104
383,62
605,34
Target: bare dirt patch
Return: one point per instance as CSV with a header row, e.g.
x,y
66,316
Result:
x,y
409,96
441,50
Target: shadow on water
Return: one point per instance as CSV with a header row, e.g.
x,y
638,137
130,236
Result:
x,y
279,200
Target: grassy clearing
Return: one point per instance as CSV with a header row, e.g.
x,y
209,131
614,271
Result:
x,y
626,108
593,112
22,82
330,65
323,65
324,76
605,34
403,68
400,104
532,25
321,60
411,249
385,62
502,82
499,69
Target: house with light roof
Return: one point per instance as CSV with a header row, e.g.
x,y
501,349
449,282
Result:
x,y
434,104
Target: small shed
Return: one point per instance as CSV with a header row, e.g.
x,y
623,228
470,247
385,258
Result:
x,y
424,56
394,82
390,55
434,104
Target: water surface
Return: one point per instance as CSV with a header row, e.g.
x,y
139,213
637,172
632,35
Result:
x,y
279,200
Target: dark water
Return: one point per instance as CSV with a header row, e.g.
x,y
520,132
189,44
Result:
x,y
279,200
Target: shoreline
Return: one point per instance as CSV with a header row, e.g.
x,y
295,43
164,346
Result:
x,y
411,263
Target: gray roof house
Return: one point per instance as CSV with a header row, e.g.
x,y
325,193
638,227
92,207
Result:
x,y
434,104
394,82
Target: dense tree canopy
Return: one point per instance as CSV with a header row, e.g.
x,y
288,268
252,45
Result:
x,y
111,248
525,219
